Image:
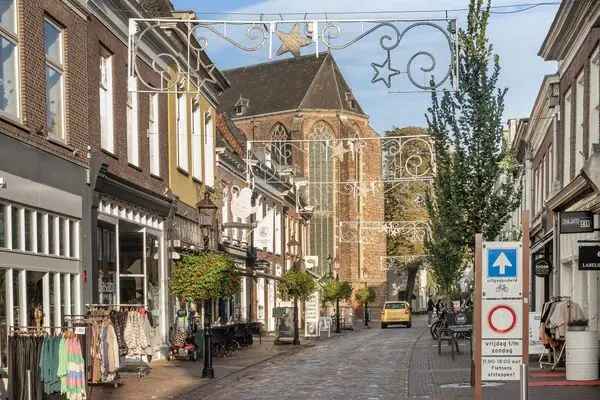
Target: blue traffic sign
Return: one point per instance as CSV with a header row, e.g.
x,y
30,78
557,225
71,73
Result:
x,y
502,263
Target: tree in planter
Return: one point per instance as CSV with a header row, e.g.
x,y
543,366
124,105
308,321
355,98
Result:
x,y
365,296
334,291
202,278
297,286
475,187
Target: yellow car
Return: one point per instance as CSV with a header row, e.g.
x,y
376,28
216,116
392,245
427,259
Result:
x,y
396,312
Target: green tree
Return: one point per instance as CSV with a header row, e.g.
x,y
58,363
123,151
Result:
x,y
297,286
365,296
473,190
335,291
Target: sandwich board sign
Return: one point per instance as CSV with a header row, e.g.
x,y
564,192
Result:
x,y
501,311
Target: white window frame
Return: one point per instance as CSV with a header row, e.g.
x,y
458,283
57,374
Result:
x,y
594,115
209,149
567,138
579,117
182,132
13,38
153,134
106,105
197,140
133,134
60,69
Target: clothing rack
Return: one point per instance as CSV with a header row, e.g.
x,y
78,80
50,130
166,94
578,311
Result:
x,y
555,354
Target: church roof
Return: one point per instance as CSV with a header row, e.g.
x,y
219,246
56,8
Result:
x,y
306,82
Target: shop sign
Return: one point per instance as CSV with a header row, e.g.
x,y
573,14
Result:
x,y
589,256
576,222
311,315
242,204
284,324
542,267
501,368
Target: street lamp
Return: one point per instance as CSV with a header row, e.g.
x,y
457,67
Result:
x,y
337,299
208,211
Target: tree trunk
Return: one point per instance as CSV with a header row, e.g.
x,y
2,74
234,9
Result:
x,y
337,316
296,330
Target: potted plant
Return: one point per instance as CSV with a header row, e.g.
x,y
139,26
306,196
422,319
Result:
x,y
335,291
297,286
578,325
365,296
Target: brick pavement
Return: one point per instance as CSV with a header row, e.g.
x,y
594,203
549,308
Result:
x,y
437,377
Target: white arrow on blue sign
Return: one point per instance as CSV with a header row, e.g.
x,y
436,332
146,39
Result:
x,y
502,270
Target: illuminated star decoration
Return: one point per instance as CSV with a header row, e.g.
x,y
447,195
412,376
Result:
x,y
292,41
384,76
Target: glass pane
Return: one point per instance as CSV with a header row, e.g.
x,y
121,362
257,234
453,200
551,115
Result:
x,y
35,298
131,249
3,319
54,102
40,232
132,290
106,262
16,291
72,239
16,228
8,76
61,237
51,235
152,269
28,230
8,15
52,36
2,226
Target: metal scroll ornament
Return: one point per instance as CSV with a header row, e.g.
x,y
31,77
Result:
x,y
385,71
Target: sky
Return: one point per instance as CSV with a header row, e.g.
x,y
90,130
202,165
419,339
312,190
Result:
x,y
516,38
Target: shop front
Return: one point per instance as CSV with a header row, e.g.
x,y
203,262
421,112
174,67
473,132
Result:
x,y
41,203
130,264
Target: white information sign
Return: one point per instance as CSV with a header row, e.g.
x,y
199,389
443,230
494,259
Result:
x,y
501,368
501,270
501,347
535,344
311,315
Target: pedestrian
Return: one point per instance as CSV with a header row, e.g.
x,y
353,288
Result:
x,y
430,307
438,307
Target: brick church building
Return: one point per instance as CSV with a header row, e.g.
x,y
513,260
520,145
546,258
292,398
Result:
x,y
300,108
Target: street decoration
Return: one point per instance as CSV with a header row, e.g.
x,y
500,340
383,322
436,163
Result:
x,y
186,71
366,232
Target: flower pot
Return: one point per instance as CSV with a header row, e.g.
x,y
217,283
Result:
x,y
583,353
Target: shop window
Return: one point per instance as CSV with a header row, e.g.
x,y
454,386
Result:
x,y
132,290
9,90
3,225
35,298
61,237
3,319
153,274
16,228
51,235
41,233
29,230
73,239
107,267
131,249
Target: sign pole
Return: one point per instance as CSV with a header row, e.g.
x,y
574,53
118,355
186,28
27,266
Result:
x,y
525,251
477,389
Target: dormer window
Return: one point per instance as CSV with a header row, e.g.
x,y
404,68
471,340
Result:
x,y
351,101
241,106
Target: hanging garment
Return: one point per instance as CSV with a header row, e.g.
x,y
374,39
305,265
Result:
x,y
49,365
71,369
23,367
563,313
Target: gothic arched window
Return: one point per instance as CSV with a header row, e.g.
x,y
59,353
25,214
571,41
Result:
x,y
281,148
321,193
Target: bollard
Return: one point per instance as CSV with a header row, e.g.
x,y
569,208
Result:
x,y
524,383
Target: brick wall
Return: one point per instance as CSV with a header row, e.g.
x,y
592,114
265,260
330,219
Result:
x,y
31,126
100,37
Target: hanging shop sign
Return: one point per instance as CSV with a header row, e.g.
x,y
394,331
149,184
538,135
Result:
x,y
242,204
543,267
589,255
576,222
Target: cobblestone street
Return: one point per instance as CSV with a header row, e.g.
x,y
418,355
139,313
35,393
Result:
x,y
365,365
